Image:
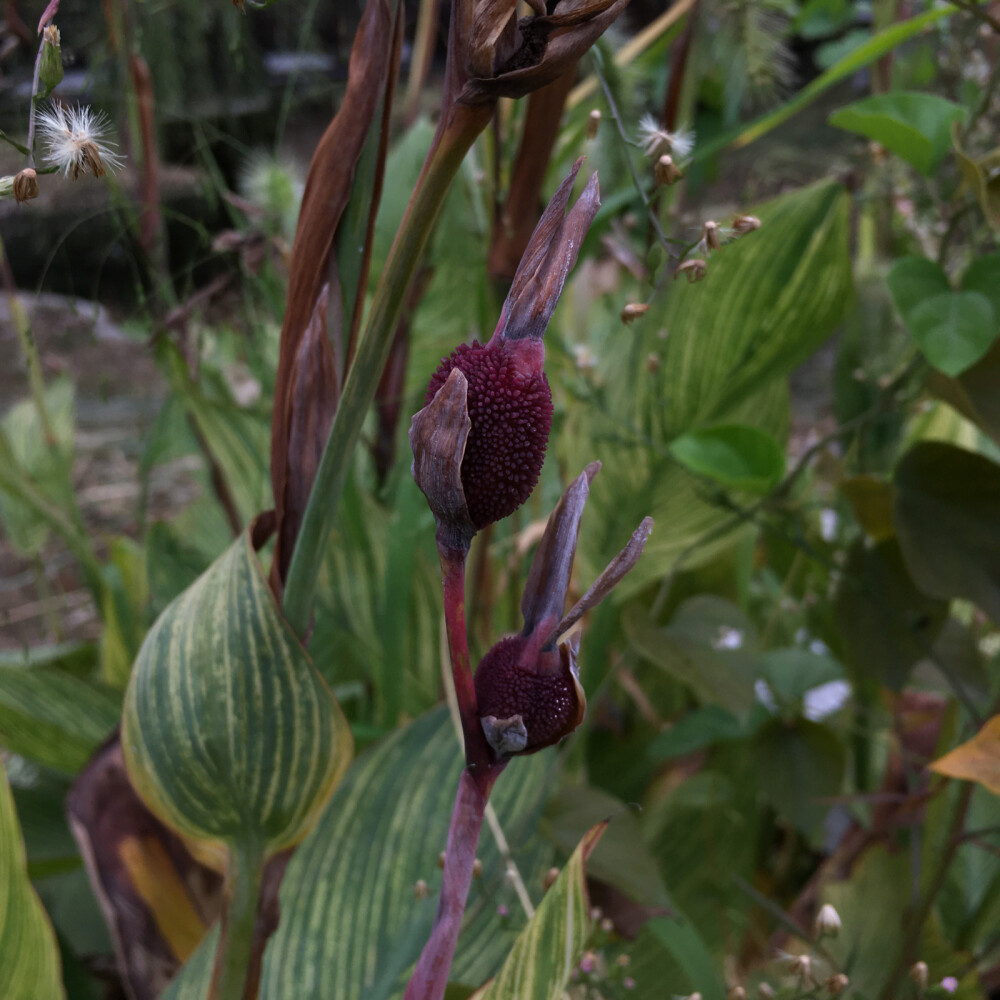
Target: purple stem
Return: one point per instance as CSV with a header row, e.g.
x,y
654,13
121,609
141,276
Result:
x,y
430,977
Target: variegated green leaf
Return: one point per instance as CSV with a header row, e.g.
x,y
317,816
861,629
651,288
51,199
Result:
x,y
29,956
351,926
52,717
542,960
229,730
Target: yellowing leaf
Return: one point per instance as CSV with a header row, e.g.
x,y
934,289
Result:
x,y
976,760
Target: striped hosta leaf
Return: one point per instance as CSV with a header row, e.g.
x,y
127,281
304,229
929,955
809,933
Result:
x,y
542,960
29,955
351,927
229,730
53,717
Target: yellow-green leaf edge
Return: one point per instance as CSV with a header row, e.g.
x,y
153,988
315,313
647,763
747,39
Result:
x,y
30,968
543,958
229,730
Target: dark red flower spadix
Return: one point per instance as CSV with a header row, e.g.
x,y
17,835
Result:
x,y
527,686
507,400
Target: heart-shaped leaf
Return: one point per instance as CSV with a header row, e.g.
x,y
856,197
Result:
x,y
912,280
229,730
954,329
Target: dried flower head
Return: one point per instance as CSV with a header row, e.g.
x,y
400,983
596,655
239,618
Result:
x,y
744,224
801,966
76,140
657,141
694,270
918,974
25,185
549,879
593,123
836,984
711,239
766,991
633,310
666,172
737,993
827,921
421,890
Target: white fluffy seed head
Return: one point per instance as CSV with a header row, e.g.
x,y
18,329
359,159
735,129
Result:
x,y
76,142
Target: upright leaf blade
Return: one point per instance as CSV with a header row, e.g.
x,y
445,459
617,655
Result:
x,y
542,961
229,729
29,955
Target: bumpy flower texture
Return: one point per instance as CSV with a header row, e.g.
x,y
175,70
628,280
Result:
x,y
527,686
507,396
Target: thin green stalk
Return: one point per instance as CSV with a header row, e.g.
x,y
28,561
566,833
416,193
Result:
x,y
232,960
362,379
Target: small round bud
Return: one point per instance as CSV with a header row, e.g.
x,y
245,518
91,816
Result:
x,y
693,269
623,960
50,68
593,123
836,984
25,185
633,310
827,921
737,993
588,962
441,861
420,889
666,172
502,912
766,991
596,913
918,974
652,363
549,878
694,996
607,925
477,868
629,983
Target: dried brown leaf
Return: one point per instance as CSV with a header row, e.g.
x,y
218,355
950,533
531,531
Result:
x,y
977,759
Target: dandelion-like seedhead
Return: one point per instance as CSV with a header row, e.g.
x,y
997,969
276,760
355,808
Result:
x,y
657,141
76,140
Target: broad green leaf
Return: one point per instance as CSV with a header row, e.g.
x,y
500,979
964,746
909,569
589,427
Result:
x,y
53,717
976,392
679,937
871,500
983,276
798,765
349,918
740,457
543,957
948,522
886,623
977,759
47,462
769,301
229,730
912,280
954,329
698,729
703,648
621,859
29,954
913,125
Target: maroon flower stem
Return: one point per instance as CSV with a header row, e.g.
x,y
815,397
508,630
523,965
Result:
x,y
479,756
430,977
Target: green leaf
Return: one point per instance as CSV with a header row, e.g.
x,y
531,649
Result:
x,y
886,623
229,730
798,764
954,330
47,462
912,280
948,522
737,456
769,301
697,649
679,937
695,731
913,125
983,177
542,960
349,918
53,717
29,955
983,276
790,673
